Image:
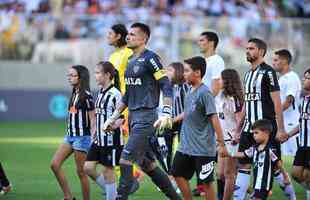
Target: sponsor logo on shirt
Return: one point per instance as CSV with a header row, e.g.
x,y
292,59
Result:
x,y
133,81
252,97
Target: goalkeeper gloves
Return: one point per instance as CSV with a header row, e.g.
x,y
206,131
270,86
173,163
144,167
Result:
x,y
109,122
165,120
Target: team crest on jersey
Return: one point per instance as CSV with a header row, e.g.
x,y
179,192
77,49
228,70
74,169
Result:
x,y
136,68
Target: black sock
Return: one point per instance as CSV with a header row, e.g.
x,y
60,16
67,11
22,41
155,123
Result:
x,y
220,189
125,182
3,179
162,181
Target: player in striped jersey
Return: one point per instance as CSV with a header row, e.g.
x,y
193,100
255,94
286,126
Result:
x,y
180,89
228,105
81,124
261,101
301,166
264,159
106,147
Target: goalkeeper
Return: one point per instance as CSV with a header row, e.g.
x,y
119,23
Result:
x,y
144,78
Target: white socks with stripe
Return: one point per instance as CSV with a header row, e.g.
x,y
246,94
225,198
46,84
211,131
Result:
x,y
242,184
110,188
287,189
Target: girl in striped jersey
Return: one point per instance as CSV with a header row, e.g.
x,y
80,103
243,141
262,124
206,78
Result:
x,y
228,105
301,165
175,73
107,146
80,125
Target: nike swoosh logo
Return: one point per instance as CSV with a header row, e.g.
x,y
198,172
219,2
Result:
x,y
204,174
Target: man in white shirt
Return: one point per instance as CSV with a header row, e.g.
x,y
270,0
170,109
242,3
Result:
x,y
208,42
290,88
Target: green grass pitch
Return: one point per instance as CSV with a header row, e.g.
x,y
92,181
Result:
x,y
27,148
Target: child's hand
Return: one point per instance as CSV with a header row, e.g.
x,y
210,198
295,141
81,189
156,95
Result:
x,y
286,178
118,123
223,151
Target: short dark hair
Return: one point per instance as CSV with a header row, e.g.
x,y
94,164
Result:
x,y
144,28
211,36
122,30
307,71
284,53
260,44
263,125
197,63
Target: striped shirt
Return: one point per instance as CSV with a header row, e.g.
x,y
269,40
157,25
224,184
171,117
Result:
x,y
179,93
304,123
78,119
258,84
264,162
105,105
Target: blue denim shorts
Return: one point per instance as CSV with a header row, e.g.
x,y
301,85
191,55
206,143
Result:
x,y
79,143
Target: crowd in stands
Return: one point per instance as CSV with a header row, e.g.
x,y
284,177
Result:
x,y
24,23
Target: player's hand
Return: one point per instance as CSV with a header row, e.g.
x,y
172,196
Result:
x,y
236,138
108,125
117,124
165,120
282,136
286,178
222,151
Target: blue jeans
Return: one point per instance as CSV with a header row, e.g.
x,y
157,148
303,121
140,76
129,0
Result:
x,y
80,143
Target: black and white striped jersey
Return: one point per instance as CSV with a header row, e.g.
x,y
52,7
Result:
x,y
264,162
105,105
304,123
179,93
258,84
78,119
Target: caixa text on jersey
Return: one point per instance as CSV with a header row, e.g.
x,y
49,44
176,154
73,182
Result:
x,y
252,97
133,81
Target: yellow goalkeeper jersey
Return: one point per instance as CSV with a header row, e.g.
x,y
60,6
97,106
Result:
x,y
119,58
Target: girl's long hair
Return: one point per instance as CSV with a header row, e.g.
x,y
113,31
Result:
x,y
232,85
83,87
179,73
107,67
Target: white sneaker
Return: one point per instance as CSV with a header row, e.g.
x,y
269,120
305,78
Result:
x,y
308,194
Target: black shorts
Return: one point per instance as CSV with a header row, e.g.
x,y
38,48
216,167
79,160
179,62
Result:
x,y
261,194
185,166
107,156
302,157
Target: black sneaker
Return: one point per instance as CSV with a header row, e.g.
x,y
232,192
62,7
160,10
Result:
x,y
196,192
135,186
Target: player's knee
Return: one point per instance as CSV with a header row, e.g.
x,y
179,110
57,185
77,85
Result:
x,y
147,166
55,166
297,175
87,168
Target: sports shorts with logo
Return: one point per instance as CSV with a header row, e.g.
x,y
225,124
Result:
x,y
185,166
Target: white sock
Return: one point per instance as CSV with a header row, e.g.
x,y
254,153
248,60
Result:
x,y
101,181
308,194
242,184
287,189
111,191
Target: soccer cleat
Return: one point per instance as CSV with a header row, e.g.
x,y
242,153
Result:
x,y
4,190
135,186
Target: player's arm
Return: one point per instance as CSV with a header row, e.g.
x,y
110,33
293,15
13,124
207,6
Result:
x,y
156,68
216,75
274,89
215,84
289,100
178,118
240,116
294,131
239,155
281,134
92,117
219,135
